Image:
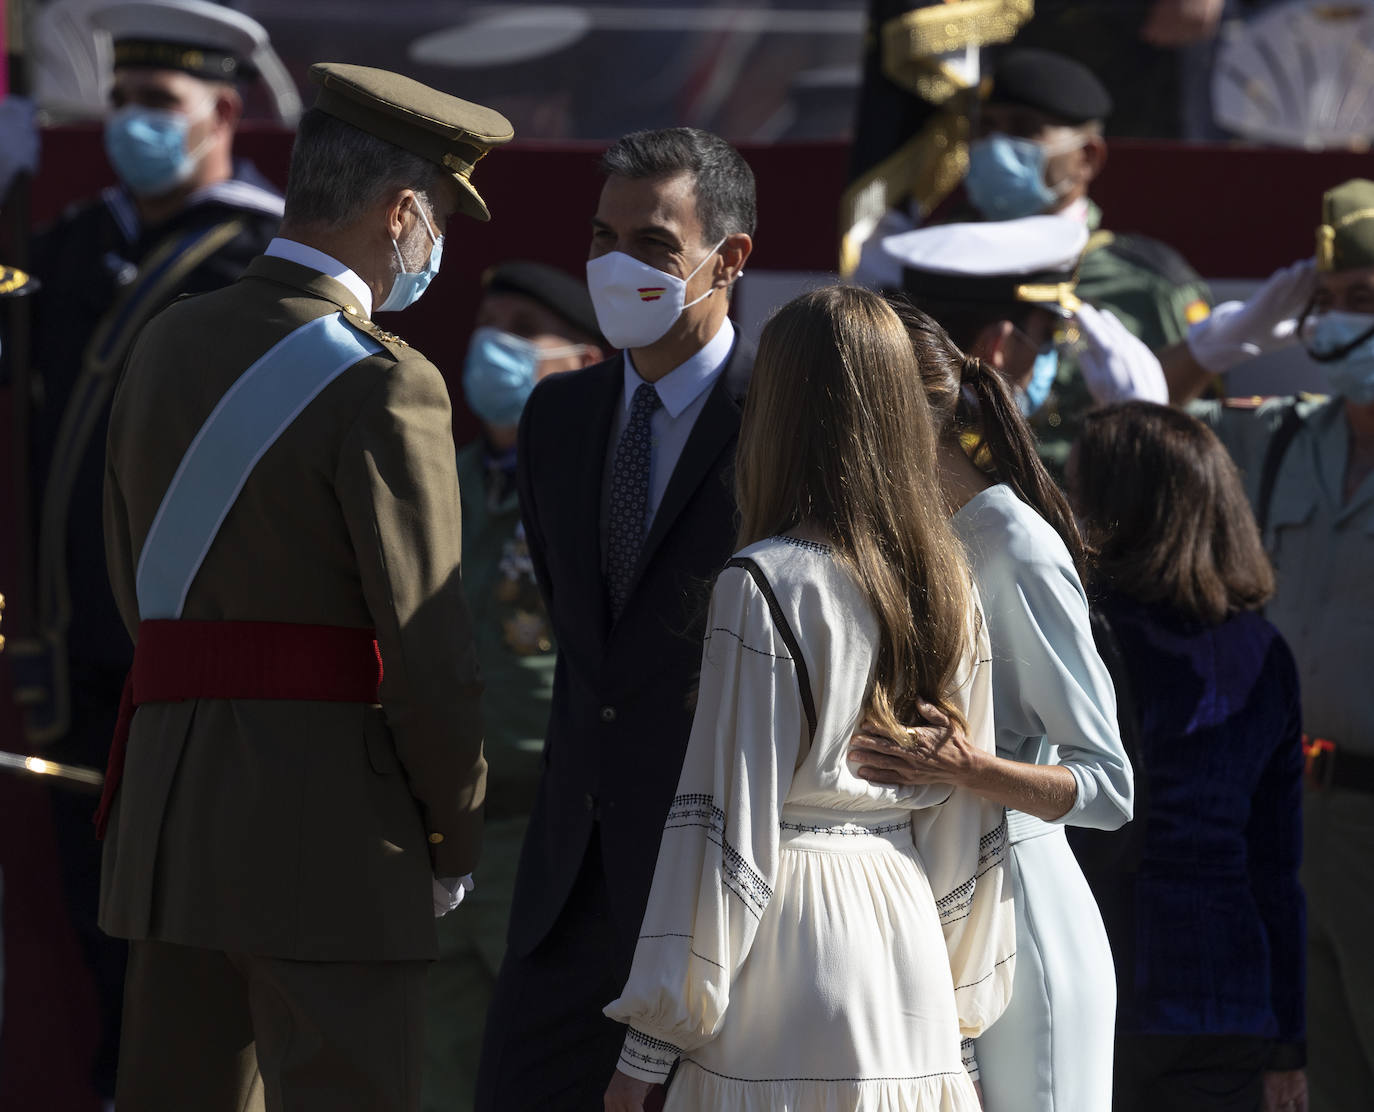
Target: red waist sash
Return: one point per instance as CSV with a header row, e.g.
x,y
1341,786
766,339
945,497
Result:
x,y
180,660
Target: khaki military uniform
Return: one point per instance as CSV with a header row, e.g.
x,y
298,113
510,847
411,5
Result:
x,y
1151,289
1323,551
273,860
516,650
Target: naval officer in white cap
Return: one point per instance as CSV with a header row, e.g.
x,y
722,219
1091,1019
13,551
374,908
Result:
x,y
1005,291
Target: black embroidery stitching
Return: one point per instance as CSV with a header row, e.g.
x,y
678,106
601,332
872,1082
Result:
x,y
652,1043
847,831
980,980
745,645
954,906
690,809
810,546
768,1080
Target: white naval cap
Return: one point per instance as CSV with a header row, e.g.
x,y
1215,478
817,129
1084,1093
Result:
x,y
204,39
1034,259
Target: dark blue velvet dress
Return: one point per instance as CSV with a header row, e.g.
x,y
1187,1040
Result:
x,y
1207,920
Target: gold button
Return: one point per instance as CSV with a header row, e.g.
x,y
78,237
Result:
x,y
351,310
435,838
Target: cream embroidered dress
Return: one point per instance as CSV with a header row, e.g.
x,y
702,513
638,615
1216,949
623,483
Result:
x,y
813,942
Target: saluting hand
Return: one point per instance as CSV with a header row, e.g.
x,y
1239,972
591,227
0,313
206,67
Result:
x,y
937,752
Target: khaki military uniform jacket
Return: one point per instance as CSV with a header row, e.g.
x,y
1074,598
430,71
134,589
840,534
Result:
x,y
290,829
1323,552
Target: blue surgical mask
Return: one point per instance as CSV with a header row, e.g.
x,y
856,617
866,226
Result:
x,y
1352,374
1043,373
501,370
147,147
1006,176
409,285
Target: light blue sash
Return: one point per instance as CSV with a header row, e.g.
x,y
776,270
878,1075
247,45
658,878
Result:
x,y
256,410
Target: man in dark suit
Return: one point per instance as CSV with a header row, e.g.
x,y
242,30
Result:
x,y
627,494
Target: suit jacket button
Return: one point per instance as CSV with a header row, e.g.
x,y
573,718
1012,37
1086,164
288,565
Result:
x,y
589,801
608,714
435,838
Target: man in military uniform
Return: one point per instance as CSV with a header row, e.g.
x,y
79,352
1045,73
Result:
x,y
184,218
534,321
1038,147
286,553
1308,464
1007,292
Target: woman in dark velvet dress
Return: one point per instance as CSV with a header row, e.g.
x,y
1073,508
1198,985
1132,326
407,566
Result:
x,y
1200,895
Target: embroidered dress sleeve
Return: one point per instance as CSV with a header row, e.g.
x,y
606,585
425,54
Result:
x,y
1050,676
963,843
717,861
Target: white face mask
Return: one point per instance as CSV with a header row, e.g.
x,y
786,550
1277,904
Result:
x,y
635,303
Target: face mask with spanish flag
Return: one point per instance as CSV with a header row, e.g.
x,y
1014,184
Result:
x,y
635,303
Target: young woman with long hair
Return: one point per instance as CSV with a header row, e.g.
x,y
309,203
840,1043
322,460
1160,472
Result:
x,y
1206,914
1059,760
814,941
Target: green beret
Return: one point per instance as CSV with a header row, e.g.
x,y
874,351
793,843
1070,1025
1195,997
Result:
x,y
454,134
1345,238
556,290
1051,83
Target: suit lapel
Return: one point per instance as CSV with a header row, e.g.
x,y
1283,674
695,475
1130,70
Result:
x,y
716,427
603,397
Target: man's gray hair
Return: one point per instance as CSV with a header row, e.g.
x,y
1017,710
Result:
x,y
339,171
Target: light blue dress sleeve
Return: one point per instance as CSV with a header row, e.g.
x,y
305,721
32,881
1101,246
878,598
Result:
x,y
1053,699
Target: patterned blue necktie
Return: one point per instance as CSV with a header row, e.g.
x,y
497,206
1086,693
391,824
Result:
x,y
629,507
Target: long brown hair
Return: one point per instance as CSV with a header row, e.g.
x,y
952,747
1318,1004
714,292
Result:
x,y
992,415
837,434
1165,512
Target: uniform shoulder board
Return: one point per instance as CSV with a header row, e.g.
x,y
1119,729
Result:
x,y
372,328
1252,402
1151,254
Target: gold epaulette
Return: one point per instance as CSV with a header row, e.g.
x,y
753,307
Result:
x,y
372,328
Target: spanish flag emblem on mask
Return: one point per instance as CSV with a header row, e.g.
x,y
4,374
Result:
x,y
651,293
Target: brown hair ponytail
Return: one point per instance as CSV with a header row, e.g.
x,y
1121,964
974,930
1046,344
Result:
x,y
992,412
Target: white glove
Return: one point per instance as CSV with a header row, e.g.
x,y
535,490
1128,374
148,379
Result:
x,y
1237,331
1117,365
448,893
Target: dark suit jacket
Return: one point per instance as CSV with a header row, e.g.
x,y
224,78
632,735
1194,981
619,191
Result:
x,y
621,709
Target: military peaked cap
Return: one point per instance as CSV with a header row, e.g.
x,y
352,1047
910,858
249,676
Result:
x,y
557,291
1345,237
206,40
453,134
995,262
1051,83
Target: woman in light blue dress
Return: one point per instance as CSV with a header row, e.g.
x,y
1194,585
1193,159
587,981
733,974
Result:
x,y
1059,762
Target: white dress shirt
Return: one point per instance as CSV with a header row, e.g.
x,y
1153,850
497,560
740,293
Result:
x,y
683,392
327,265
